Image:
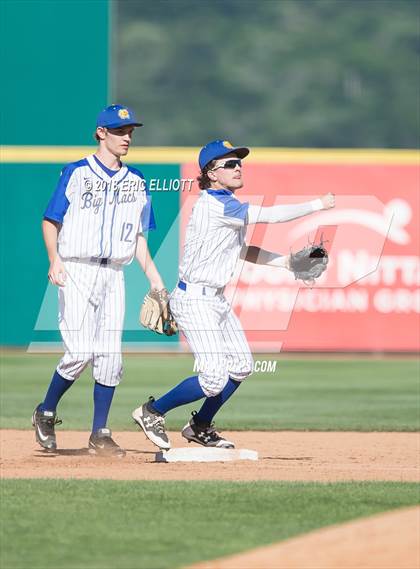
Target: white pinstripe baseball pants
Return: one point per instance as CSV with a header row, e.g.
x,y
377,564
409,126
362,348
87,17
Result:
x,y
215,336
91,315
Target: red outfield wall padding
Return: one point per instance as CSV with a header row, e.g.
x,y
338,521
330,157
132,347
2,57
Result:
x,y
369,297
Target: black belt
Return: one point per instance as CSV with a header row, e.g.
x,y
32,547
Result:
x,y
100,261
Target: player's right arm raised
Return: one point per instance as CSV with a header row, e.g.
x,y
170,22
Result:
x,y
56,272
282,213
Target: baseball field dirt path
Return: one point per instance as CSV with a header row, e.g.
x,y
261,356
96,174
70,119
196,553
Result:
x,y
297,456
385,541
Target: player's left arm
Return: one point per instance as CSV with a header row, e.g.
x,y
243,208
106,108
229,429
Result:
x,y
258,256
282,213
146,263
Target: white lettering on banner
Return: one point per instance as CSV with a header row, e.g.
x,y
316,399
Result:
x,y
390,269
401,300
308,300
390,223
266,299
339,300
349,264
253,274
359,300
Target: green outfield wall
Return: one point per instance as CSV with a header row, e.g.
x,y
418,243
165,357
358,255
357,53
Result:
x,y
55,60
29,303
56,56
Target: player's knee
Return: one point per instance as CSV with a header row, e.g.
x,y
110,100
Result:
x,y
242,368
72,366
213,384
107,370
109,381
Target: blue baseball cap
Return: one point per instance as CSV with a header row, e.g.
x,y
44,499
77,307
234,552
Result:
x,y
115,116
218,149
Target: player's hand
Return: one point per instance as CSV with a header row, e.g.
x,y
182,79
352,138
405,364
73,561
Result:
x,y
328,201
57,273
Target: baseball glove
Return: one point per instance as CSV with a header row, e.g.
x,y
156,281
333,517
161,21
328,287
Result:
x,y
155,313
309,263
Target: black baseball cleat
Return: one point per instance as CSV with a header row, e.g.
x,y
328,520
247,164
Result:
x,y
44,423
101,443
152,423
204,434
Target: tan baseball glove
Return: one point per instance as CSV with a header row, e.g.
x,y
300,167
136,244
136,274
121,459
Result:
x,y
155,313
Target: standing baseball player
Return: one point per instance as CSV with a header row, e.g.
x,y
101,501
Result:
x,y
94,224
215,240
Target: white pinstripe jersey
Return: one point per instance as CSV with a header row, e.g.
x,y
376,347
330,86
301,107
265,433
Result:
x,y
101,211
214,238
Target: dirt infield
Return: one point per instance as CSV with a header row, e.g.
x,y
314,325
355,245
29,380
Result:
x,y
297,456
371,543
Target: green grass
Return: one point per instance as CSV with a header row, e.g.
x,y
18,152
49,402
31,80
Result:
x,y
125,525
365,395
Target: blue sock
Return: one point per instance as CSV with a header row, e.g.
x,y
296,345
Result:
x,y
185,392
212,404
56,390
102,399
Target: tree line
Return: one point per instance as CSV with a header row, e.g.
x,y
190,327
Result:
x,y
288,73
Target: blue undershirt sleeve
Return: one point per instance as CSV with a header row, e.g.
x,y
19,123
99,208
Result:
x,y
58,204
147,216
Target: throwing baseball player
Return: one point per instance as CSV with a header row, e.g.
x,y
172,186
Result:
x,y
215,240
94,224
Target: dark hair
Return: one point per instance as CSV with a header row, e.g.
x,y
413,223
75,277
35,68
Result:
x,y
203,179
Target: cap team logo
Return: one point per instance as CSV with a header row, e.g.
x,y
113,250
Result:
x,y
227,144
123,114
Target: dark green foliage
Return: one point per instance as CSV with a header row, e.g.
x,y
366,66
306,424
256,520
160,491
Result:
x,y
303,73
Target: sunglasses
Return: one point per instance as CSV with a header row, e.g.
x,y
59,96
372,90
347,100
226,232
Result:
x,y
229,164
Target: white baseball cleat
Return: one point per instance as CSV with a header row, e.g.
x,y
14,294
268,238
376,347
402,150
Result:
x,y
153,424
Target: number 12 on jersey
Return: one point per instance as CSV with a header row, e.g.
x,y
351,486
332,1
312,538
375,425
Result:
x,y
126,230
